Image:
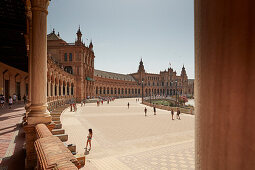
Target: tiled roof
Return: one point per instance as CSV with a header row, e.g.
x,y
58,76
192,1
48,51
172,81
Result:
x,y
53,36
115,76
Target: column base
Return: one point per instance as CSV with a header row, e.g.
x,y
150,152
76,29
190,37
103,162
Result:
x,y
38,114
37,120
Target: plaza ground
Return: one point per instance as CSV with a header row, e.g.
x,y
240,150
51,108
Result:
x,y
125,139
12,138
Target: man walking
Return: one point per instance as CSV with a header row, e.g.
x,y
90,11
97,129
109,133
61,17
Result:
x,y
172,113
178,114
154,109
128,105
145,111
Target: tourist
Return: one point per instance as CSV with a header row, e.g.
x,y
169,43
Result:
x,y
89,138
102,101
14,98
2,101
172,113
145,111
71,106
154,109
25,99
128,105
10,102
178,113
84,102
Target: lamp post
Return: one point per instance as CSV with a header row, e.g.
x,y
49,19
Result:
x,y
176,92
142,90
150,96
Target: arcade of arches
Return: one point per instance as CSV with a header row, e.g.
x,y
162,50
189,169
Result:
x,y
224,82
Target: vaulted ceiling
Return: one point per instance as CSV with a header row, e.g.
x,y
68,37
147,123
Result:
x,y
12,30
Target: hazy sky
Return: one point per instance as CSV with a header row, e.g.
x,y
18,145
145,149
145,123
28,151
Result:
x,y
123,31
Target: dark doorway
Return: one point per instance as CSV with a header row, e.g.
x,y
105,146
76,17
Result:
x,y
6,89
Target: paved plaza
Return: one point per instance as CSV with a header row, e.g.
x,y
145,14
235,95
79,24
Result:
x,y
12,138
125,139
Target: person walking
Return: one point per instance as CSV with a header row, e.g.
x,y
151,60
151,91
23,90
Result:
x,y
178,114
154,109
172,113
25,99
10,102
145,111
89,138
2,100
14,98
128,105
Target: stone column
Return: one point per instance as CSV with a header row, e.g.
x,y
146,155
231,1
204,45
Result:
x,y
224,84
66,89
53,88
29,15
39,112
58,89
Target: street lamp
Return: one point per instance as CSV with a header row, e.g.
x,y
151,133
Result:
x,y
176,92
142,90
150,96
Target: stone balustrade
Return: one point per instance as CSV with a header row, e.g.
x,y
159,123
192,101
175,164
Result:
x,y
51,152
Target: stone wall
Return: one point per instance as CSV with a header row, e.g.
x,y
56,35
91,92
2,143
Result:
x,y
168,108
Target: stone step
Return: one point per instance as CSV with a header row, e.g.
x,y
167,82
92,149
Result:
x,y
55,118
58,126
71,147
57,122
58,131
62,137
55,114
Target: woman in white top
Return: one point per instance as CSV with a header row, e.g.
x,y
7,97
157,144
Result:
x,y
10,102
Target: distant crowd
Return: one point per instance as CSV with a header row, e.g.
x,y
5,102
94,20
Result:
x,y
11,100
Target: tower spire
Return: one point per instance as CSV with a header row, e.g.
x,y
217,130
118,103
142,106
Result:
x,y
79,35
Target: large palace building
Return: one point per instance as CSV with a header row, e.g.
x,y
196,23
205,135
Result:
x,y
71,74
78,60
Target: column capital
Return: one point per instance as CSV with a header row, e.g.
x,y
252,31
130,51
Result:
x,y
40,5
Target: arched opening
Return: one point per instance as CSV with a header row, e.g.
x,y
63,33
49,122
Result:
x,y
72,86
68,69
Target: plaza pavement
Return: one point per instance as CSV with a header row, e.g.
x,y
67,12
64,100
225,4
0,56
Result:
x,y
12,138
125,139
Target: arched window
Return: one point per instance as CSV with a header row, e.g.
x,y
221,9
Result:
x,y
65,57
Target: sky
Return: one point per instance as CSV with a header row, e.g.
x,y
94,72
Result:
x,y
161,32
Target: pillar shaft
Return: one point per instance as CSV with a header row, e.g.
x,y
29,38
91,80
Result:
x,y
224,84
39,112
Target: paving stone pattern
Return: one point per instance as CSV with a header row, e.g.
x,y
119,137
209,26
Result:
x,y
12,155
125,139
